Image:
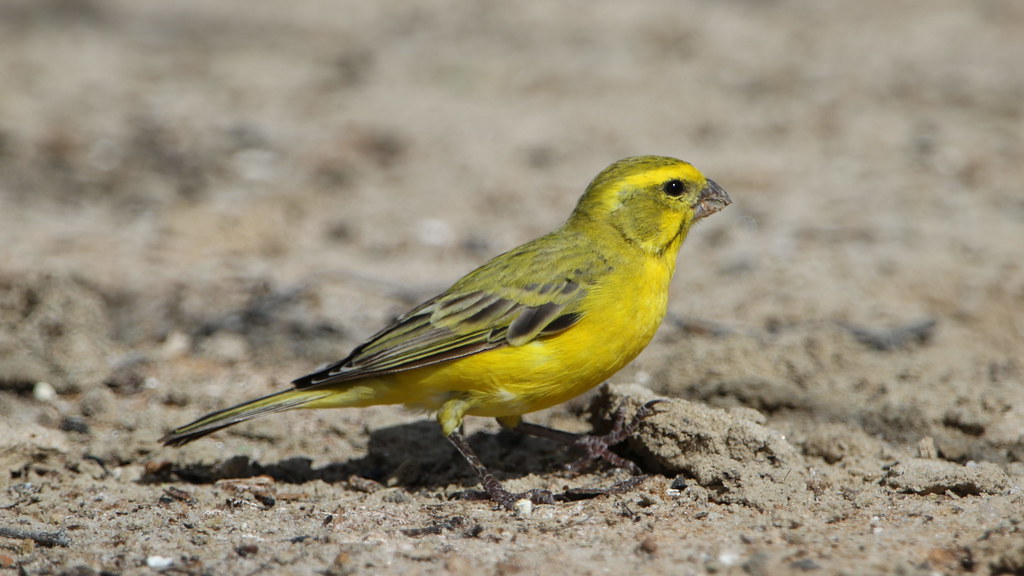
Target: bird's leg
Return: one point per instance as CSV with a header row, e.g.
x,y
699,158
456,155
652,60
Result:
x,y
490,484
596,447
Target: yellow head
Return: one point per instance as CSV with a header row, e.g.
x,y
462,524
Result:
x,y
651,201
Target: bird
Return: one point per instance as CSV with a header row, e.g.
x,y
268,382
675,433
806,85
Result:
x,y
531,328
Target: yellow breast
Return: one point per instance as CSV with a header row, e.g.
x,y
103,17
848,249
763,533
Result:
x,y
620,316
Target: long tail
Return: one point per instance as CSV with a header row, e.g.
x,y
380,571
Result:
x,y
277,402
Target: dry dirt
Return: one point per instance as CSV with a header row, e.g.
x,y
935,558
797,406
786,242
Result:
x,y
200,201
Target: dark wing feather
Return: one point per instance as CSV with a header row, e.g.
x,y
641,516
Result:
x,y
529,292
454,325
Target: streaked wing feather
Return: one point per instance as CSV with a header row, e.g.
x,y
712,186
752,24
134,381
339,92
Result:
x,y
454,325
531,322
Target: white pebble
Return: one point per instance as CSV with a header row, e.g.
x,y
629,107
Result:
x,y
159,562
523,508
44,392
729,558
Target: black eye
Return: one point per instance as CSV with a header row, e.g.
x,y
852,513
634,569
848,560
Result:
x,y
674,188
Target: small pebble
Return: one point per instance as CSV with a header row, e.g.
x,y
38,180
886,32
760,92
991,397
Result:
x,y
159,562
729,558
44,392
926,448
523,508
649,545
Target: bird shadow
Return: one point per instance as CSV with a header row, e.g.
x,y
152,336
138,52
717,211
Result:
x,y
412,456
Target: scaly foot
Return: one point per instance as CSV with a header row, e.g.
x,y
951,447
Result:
x,y
599,447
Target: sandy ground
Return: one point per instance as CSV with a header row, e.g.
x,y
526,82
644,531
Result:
x,y
201,201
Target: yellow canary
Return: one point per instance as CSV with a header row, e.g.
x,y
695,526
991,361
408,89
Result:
x,y
531,328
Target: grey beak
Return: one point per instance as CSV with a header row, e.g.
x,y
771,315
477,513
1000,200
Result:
x,y
712,199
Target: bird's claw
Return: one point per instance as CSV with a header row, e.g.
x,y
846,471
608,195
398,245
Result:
x,y
506,499
536,495
574,494
599,447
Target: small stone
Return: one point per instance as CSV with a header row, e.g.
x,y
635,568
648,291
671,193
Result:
x,y
523,508
44,392
926,448
649,545
246,550
159,562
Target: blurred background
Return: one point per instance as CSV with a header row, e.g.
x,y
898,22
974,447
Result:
x,y
201,201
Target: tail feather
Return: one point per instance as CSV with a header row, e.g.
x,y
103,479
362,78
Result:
x,y
277,402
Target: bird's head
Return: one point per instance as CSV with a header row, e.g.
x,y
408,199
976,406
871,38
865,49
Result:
x,y
651,201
